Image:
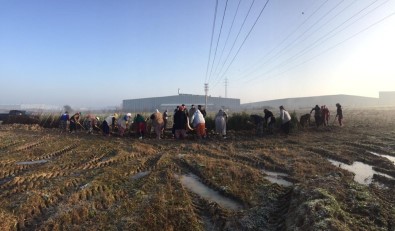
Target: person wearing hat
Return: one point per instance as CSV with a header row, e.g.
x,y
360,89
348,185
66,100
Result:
x,y
285,120
74,120
109,121
339,114
123,123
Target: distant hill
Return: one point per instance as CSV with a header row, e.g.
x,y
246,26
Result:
x,y
309,102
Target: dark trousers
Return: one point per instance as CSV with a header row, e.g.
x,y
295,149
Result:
x,y
106,128
285,127
73,126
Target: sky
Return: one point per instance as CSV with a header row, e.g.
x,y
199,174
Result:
x,y
96,53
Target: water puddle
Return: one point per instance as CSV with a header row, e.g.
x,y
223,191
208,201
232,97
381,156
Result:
x,y
140,175
363,172
32,162
276,177
192,183
391,158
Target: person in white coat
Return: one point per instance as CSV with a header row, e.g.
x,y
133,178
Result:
x,y
285,120
123,123
220,123
199,124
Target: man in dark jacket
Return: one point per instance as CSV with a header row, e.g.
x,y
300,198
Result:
x,y
270,120
180,120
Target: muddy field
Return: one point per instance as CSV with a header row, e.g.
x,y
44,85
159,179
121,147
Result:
x,y
330,178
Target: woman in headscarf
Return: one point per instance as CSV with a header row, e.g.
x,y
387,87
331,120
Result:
x,y
220,123
157,123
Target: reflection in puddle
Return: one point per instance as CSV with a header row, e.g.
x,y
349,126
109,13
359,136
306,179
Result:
x,y
33,162
276,177
191,182
363,172
391,158
140,175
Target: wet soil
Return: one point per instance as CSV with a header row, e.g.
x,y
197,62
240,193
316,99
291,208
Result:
x,y
303,181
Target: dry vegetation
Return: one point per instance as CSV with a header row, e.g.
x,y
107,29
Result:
x,y
91,182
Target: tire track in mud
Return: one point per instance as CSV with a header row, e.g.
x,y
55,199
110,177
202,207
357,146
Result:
x,y
29,146
183,164
42,205
9,145
370,147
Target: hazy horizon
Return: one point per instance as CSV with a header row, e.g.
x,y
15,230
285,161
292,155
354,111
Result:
x,y
98,53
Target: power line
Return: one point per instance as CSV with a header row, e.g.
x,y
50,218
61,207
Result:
x,y
325,37
334,46
285,39
212,35
245,39
219,36
241,27
227,38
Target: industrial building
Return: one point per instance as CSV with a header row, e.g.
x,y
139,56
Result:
x,y
171,102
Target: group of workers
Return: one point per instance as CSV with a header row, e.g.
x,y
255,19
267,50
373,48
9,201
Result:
x,y
184,120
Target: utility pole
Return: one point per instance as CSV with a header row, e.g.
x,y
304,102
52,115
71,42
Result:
x,y
226,87
206,91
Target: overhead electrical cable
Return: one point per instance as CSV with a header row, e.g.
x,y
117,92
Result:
x,y
241,27
325,37
219,36
268,58
211,43
245,39
227,38
312,33
337,44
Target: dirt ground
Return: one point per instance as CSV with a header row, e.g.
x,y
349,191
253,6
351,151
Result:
x,y
54,181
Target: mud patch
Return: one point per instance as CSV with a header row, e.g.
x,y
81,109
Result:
x,y
363,172
140,175
391,158
277,178
32,162
192,183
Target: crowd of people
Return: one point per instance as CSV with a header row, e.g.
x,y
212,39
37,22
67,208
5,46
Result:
x,y
185,120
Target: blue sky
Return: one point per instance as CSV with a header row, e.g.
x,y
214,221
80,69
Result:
x,y
97,53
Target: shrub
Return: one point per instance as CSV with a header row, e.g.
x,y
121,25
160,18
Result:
x,y
239,121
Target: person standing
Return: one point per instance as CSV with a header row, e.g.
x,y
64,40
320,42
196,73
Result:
x,y
64,119
191,112
199,124
180,120
285,120
157,123
202,110
317,115
339,114
74,120
165,118
270,120
220,123
325,115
